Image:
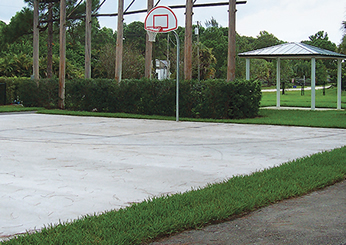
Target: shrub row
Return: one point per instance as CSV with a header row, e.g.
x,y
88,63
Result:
x,y
205,99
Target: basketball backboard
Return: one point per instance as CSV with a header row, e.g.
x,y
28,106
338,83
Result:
x,y
161,19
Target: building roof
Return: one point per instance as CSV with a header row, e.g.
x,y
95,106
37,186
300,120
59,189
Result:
x,y
292,51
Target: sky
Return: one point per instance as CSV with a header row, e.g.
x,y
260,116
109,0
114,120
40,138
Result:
x,y
288,20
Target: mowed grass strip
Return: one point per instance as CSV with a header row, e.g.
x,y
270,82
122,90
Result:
x,y
325,119
295,99
161,216
18,108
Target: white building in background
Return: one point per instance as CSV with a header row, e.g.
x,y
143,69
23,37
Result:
x,y
162,69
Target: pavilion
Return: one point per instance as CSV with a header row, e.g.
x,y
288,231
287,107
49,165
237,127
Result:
x,y
296,51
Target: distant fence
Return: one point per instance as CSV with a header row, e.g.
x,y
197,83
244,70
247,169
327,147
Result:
x,y
2,93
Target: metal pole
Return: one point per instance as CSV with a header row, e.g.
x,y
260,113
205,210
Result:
x,y
198,56
62,67
88,40
119,47
168,62
177,93
36,43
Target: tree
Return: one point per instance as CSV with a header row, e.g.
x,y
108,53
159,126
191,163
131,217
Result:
x,y
50,12
301,68
215,38
342,46
263,70
326,68
133,63
105,65
342,49
2,25
211,23
321,40
207,60
17,65
20,25
266,39
134,34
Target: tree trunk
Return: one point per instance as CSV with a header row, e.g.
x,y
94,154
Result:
x,y
231,41
50,42
188,41
36,42
148,48
62,66
119,47
88,40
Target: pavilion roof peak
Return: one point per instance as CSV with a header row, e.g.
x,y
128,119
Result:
x,y
292,50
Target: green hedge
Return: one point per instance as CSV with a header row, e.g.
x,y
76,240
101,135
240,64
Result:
x,y
205,99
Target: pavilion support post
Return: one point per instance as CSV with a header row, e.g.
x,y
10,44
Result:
x,y
278,79
339,85
247,69
88,40
36,43
119,47
148,49
313,83
188,41
62,63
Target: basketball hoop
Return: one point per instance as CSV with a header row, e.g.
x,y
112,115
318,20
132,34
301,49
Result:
x,y
162,19
151,35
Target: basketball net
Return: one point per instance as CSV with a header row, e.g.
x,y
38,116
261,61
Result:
x,y
151,35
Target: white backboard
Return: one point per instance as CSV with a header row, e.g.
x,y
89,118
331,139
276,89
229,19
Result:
x,y
161,19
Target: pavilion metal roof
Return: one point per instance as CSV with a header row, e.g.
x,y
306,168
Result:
x,y
292,51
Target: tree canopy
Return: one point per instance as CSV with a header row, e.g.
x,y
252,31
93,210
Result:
x,y
16,48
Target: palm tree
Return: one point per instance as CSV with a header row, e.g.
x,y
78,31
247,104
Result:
x,y
342,46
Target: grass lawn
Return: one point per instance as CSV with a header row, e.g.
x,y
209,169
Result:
x,y
161,216
325,119
17,108
294,98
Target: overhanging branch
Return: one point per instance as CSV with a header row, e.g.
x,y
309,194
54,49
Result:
x,y
145,10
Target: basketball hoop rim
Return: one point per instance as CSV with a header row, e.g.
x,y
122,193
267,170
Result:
x,y
157,30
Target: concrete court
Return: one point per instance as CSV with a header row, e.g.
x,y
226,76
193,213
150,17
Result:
x,y
58,168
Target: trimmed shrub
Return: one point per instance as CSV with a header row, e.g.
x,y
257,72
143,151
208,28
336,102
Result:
x,y
149,97
91,94
204,99
26,91
221,99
